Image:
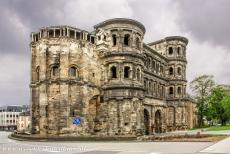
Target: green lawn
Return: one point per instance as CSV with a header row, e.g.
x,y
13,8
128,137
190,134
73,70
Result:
x,y
196,128
216,128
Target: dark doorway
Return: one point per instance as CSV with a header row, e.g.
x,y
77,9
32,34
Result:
x,y
158,122
146,122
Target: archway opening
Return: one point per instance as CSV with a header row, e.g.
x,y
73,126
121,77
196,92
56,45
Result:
x,y
146,122
158,122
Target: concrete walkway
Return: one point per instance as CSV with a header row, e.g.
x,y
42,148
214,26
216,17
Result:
x,y
222,147
227,132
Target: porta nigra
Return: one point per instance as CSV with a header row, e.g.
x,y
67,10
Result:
x,y
108,80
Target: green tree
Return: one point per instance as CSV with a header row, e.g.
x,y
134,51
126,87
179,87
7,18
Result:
x,y
226,105
202,87
215,108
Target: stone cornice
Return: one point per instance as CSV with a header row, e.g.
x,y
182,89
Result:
x,y
122,86
125,53
121,20
62,81
170,38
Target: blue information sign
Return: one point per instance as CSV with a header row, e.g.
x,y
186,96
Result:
x,y
77,121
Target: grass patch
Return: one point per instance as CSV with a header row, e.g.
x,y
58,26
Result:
x,y
196,128
185,138
218,128
202,138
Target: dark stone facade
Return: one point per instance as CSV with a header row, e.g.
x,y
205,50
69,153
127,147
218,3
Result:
x,y
109,80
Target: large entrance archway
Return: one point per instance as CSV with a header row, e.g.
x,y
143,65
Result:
x,y
158,122
146,122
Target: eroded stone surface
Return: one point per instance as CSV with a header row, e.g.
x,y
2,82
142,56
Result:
x,y
110,80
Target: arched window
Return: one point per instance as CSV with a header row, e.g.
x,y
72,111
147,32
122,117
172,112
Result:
x,y
170,50
154,65
137,43
157,68
179,90
113,72
73,71
179,71
149,63
178,51
154,88
163,91
158,90
104,37
138,74
162,70
126,72
55,71
37,73
170,71
126,39
114,40
170,90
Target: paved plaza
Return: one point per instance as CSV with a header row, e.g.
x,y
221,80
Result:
x,y
8,146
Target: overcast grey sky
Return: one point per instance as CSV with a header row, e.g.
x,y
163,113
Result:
x,y
204,22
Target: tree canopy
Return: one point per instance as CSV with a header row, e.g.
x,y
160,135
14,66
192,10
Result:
x,y
213,102
202,87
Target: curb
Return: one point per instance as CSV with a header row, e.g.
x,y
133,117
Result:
x,y
67,138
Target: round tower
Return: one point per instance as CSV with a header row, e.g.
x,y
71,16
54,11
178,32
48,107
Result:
x,y
176,54
120,44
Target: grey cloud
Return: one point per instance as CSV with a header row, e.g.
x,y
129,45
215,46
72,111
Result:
x,y
207,20
20,17
201,21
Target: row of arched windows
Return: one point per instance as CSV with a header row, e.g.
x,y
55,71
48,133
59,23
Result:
x,y
155,89
126,72
126,40
171,91
154,66
171,50
55,72
62,32
178,70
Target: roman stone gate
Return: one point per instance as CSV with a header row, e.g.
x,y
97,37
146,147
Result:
x,y
109,80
